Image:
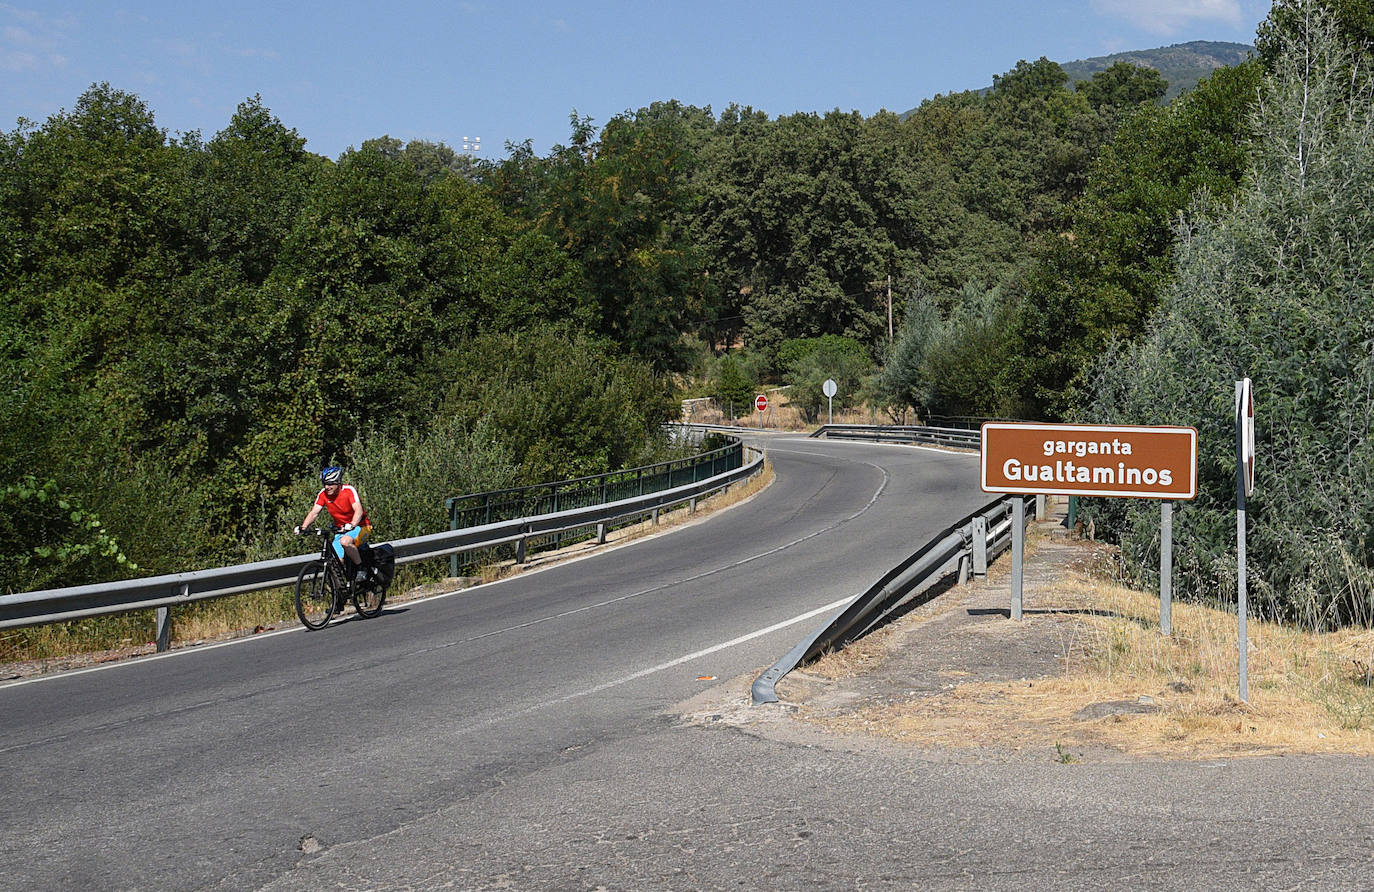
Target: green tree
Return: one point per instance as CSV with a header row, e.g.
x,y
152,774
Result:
x,y
902,382
251,182
1098,281
1122,87
811,361
734,390
1277,286
1289,20
565,403
49,540
618,204
946,362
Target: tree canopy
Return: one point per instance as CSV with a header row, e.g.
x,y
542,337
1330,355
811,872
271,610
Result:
x,y
210,320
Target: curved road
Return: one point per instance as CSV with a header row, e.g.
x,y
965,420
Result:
x,y
266,761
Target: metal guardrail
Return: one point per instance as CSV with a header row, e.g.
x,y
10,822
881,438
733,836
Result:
x,y
162,592
893,433
966,547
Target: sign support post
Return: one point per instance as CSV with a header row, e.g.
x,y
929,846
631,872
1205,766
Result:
x,y
1018,553
830,388
1245,484
1166,568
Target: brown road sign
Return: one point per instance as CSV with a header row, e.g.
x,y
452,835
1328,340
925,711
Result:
x,y
1090,460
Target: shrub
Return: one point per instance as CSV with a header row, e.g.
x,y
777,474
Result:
x,y
1279,288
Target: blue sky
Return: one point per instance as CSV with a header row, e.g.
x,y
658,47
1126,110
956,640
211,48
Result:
x,y
507,70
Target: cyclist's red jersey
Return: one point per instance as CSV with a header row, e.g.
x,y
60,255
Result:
x,y
341,508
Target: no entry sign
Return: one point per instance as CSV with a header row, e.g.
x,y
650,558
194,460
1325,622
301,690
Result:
x,y
1090,460
761,403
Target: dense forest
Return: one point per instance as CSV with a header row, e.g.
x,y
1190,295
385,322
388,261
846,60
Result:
x,y
194,326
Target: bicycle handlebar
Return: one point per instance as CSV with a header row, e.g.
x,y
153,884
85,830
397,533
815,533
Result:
x,y
319,532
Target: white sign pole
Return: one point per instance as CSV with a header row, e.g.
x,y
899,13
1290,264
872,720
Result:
x,y
830,388
1245,449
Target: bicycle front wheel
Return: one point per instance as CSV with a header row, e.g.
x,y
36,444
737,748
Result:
x,y
315,595
368,598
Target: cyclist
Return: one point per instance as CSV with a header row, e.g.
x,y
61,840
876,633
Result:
x,y
349,517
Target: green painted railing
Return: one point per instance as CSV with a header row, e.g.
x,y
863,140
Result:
x,y
480,508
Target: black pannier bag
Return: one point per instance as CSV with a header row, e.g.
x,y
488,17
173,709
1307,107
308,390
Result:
x,y
381,558
384,562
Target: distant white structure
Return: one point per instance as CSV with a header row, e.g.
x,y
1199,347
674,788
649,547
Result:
x,y
472,144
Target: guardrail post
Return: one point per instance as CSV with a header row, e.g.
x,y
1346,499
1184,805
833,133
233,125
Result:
x,y
557,537
1041,510
655,517
164,624
964,561
520,550
692,505
601,534
980,546
452,505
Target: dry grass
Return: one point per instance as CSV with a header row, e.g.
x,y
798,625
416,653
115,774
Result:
x,y
1308,693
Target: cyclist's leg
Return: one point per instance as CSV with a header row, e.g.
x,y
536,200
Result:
x,y
347,552
351,541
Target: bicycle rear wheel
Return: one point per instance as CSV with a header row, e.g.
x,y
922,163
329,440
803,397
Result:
x,y
315,595
368,598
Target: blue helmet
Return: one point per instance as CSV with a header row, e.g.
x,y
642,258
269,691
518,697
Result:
x,y
331,475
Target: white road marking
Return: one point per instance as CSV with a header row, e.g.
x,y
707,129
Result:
x,y
626,679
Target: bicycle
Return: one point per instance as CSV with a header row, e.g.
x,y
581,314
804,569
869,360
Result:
x,y
324,589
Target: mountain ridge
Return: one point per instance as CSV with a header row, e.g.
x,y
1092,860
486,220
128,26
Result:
x,y
1182,65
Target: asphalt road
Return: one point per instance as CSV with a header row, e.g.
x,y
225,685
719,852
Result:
x,y
210,767
530,735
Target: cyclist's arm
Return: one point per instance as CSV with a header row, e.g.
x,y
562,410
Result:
x,y
310,518
357,514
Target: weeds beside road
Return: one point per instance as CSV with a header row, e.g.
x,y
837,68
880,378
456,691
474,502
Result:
x,y
1087,674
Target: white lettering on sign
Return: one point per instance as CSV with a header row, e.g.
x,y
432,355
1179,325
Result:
x,y
1082,448
1068,472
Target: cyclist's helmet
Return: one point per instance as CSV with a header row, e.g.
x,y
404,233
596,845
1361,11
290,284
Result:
x,y
331,475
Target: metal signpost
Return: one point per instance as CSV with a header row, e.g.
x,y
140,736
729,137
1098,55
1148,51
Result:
x,y
1245,484
830,388
1090,460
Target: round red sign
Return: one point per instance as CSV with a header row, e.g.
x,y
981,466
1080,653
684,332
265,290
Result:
x,y
761,403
